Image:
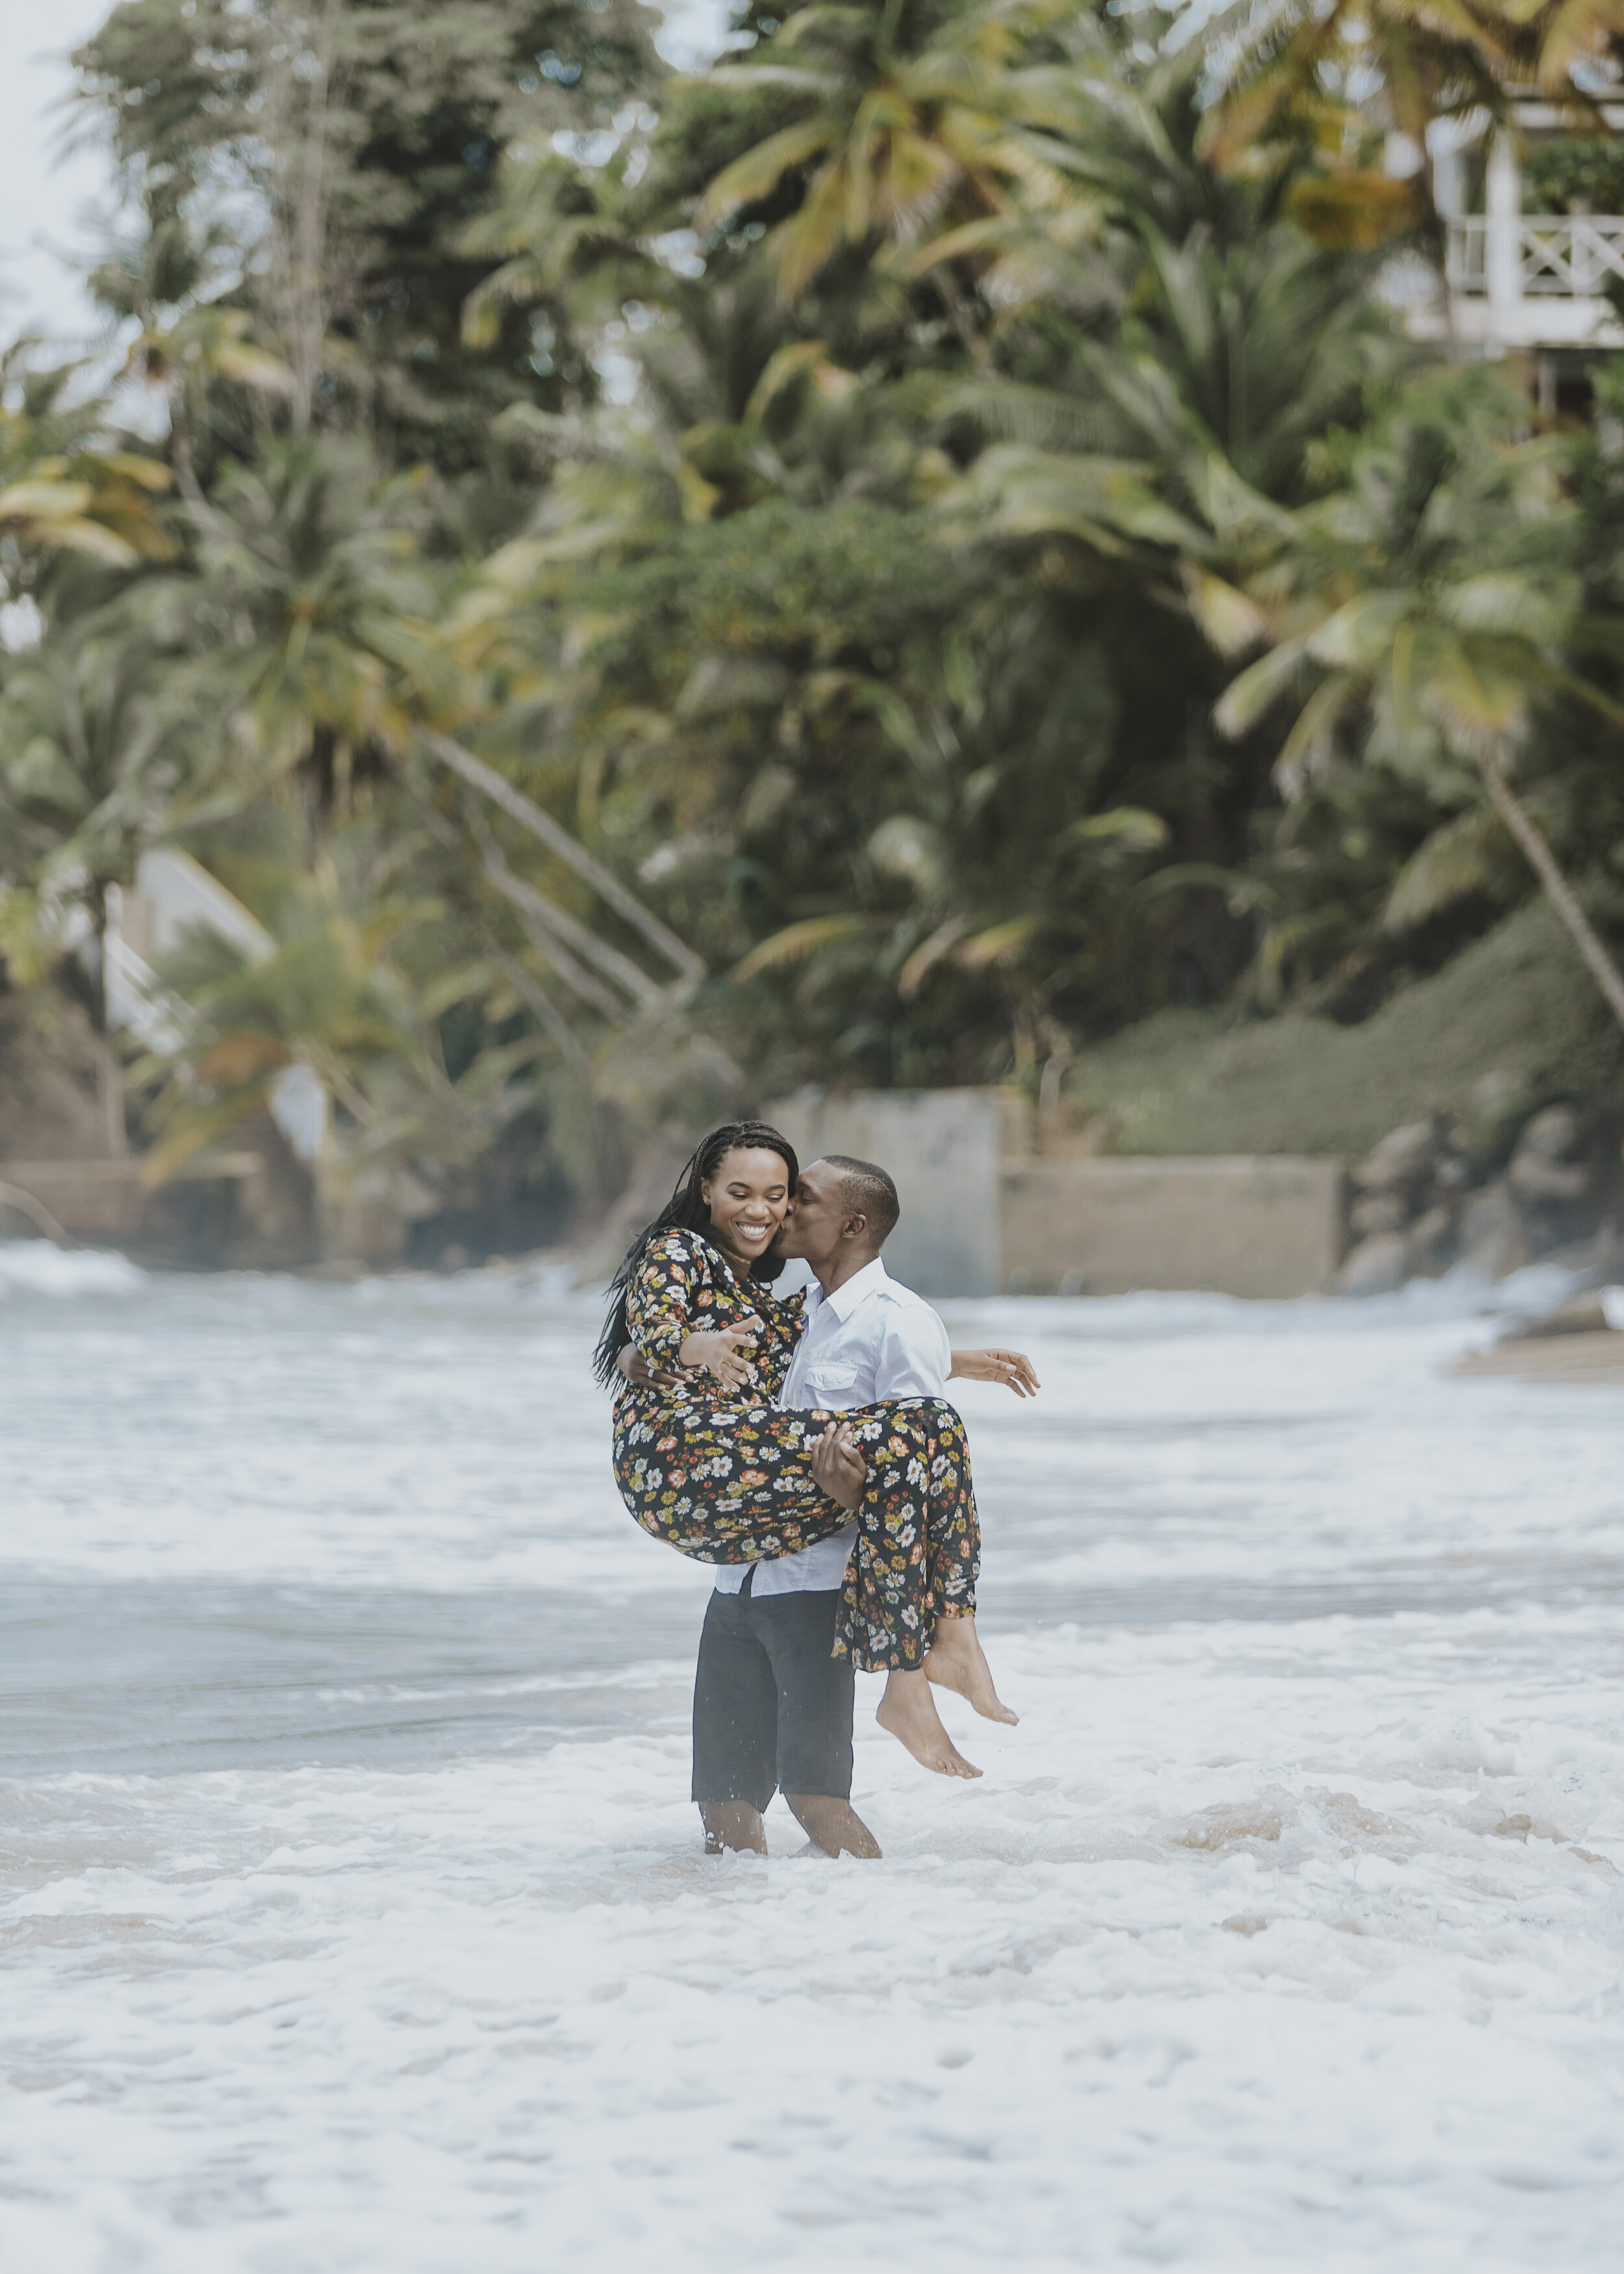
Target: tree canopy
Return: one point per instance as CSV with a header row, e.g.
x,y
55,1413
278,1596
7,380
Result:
x,y
880,559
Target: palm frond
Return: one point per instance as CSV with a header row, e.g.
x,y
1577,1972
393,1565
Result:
x,y
795,942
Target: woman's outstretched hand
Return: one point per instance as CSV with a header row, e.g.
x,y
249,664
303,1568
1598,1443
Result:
x,y
838,1466
1010,1368
723,1353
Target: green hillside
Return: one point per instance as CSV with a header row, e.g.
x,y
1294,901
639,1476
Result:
x,y
1511,1020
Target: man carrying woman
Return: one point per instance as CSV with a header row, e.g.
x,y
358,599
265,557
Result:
x,y
707,1461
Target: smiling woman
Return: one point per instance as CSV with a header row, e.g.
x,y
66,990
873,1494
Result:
x,y
764,1156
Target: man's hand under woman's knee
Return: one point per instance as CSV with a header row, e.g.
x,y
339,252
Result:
x,y
837,1464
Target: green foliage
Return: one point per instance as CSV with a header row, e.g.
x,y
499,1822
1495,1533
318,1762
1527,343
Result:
x,y
100,755
310,563
1576,171
1503,1020
1432,587
930,511
346,148
1306,88
338,992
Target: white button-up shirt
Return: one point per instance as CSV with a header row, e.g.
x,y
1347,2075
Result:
x,y
872,1339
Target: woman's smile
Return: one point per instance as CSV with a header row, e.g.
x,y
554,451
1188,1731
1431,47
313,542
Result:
x,y
749,1199
750,1228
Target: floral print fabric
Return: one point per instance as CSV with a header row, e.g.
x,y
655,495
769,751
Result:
x,y
726,1475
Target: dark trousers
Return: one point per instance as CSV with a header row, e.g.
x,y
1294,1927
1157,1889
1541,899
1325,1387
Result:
x,y
772,1708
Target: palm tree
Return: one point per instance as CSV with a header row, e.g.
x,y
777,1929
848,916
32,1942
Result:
x,y
160,281
1168,380
1310,80
1230,356
98,759
61,488
1417,612
344,674
1191,323
313,561
548,231
340,990
911,124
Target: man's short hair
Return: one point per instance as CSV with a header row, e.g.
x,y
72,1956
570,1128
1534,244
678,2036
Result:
x,y
868,1190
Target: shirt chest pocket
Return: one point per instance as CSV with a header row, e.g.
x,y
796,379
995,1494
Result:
x,y
832,1385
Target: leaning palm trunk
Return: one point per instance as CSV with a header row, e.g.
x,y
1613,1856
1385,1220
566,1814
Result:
x,y
558,840
1543,861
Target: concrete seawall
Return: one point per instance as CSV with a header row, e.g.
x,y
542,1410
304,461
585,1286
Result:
x,y
983,1215
1258,1224
944,1147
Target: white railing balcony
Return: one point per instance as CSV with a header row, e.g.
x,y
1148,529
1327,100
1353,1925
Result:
x,y
1512,281
1570,255
1517,281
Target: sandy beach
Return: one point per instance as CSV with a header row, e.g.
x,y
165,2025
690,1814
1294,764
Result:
x,y
1598,1356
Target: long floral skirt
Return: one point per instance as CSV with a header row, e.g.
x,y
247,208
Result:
x,y
732,1484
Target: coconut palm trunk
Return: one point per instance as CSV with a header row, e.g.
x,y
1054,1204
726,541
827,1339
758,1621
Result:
x,y
1603,970
111,1080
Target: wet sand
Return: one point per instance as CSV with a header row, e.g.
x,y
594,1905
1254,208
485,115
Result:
x,y
1595,1358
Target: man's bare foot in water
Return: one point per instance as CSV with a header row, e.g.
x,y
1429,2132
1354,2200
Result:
x,y
908,1711
955,1660
732,1824
832,1824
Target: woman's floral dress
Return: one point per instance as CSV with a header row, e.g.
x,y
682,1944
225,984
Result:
x,y
726,1475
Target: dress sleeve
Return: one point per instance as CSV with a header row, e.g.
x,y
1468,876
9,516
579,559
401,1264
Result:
x,y
667,1300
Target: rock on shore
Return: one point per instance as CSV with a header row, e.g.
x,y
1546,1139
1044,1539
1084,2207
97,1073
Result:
x,y
1473,1190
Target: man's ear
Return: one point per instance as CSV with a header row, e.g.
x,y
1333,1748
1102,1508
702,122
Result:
x,y
854,1227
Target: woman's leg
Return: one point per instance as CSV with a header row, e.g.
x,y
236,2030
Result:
x,y
919,1545
726,1484
956,1659
735,1484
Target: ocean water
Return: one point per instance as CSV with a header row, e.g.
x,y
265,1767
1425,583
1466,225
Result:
x,y
352,1911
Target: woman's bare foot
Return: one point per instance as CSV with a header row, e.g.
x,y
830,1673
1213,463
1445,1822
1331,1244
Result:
x,y
908,1711
955,1660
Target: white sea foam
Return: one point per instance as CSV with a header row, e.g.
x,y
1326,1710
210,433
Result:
x,y
353,1908
34,1267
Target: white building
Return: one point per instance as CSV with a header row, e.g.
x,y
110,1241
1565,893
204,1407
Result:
x,y
1517,282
